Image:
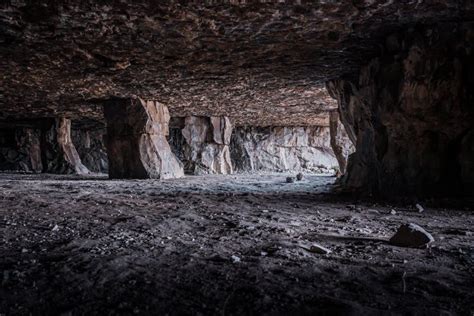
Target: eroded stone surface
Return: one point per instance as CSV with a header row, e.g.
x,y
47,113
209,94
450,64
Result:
x,y
259,62
341,145
136,140
411,115
67,150
207,145
282,149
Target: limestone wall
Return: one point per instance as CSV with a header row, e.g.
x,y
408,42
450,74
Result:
x,y
282,149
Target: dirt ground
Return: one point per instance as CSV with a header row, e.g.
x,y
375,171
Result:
x,y
223,245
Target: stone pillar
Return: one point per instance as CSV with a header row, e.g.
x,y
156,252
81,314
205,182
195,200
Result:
x,y
410,114
136,140
207,140
67,148
340,142
34,149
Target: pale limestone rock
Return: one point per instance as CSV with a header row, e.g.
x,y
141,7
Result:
x,y
207,145
67,148
136,140
282,149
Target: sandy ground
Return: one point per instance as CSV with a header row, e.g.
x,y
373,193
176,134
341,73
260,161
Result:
x,y
223,245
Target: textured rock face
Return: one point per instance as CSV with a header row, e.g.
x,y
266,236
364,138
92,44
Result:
x,y
20,150
411,115
282,149
341,145
261,63
207,145
33,146
67,150
91,148
136,140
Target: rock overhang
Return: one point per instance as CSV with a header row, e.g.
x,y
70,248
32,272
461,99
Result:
x,y
260,63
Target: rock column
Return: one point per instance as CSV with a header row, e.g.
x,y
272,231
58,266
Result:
x,y
207,145
136,140
66,147
340,143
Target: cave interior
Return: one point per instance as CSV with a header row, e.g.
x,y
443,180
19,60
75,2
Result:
x,y
237,157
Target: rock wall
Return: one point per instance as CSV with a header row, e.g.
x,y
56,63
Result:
x,y
90,145
33,146
20,150
410,113
206,149
282,149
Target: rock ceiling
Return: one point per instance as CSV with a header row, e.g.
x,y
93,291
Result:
x,y
259,62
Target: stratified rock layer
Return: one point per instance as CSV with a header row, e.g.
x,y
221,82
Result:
x,y
207,145
136,140
411,115
282,149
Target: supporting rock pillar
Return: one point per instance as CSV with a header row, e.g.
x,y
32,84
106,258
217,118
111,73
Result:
x,y
66,147
340,143
207,150
136,140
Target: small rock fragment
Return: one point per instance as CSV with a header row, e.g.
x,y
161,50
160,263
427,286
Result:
x,y
419,208
235,259
315,248
393,212
55,228
411,235
290,179
299,176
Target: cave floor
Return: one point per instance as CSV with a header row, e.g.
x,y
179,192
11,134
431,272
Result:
x,y
222,245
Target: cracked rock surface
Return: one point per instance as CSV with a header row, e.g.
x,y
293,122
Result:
x,y
258,62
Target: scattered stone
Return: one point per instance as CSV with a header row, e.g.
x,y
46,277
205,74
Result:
x,y
290,179
419,208
411,235
235,259
55,228
393,212
299,176
315,248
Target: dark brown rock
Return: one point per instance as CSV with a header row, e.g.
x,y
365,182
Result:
x,y
411,235
261,63
136,140
410,113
